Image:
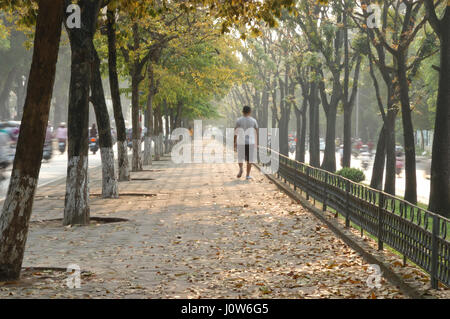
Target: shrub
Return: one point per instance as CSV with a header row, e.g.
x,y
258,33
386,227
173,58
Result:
x,y
353,174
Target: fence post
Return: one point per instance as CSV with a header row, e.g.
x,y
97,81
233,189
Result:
x,y
295,175
325,192
434,252
287,171
380,220
307,183
347,203
279,162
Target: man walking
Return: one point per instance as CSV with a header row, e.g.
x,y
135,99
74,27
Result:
x,y
246,133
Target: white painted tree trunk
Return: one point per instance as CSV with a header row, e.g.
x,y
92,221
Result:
x,y
14,222
148,151
137,156
161,144
76,208
110,188
124,166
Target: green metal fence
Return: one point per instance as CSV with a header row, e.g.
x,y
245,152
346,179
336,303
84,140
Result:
x,y
419,235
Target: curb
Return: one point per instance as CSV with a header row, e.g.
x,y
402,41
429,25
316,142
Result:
x,y
336,228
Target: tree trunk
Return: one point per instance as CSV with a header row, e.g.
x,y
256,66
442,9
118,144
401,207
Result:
x,y
76,210
408,131
148,154
166,119
284,134
135,80
109,181
21,91
17,208
329,158
389,185
301,132
137,157
422,140
347,156
302,143
156,131
149,118
265,109
178,116
380,160
161,133
284,120
314,138
148,150
122,147
274,109
440,165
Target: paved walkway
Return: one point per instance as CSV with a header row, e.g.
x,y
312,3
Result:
x,y
204,235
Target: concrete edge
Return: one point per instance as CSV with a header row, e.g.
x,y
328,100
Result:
x,y
387,272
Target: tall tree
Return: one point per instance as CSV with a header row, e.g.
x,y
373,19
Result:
x,y
76,208
17,208
440,166
122,144
109,180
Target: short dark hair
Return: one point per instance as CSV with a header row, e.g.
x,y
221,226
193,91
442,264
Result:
x,y
247,110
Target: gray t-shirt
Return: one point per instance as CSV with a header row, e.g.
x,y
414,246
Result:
x,y
246,123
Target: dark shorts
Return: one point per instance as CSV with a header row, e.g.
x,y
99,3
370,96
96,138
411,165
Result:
x,y
247,153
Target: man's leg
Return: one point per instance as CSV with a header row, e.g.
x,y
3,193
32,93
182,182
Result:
x,y
248,159
249,168
241,170
241,159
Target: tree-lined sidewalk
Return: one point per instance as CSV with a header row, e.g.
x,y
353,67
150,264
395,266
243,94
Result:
x,y
204,235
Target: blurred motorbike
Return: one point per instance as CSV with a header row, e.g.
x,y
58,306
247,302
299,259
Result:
x,y
398,166
93,145
48,151
365,160
62,146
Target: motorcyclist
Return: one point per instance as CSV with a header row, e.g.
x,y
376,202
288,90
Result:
x,y
93,132
61,133
399,164
48,135
4,152
48,144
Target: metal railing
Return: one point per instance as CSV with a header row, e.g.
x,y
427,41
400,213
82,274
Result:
x,y
419,235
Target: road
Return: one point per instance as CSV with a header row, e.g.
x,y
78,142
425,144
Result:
x,y
423,184
53,170
56,168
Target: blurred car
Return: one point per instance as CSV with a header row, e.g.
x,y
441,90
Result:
x,y
322,145
292,146
365,158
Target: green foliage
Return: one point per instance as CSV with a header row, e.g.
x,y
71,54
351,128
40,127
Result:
x,y
353,174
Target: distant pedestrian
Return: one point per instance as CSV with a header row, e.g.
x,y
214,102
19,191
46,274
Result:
x,y
93,133
49,134
248,150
